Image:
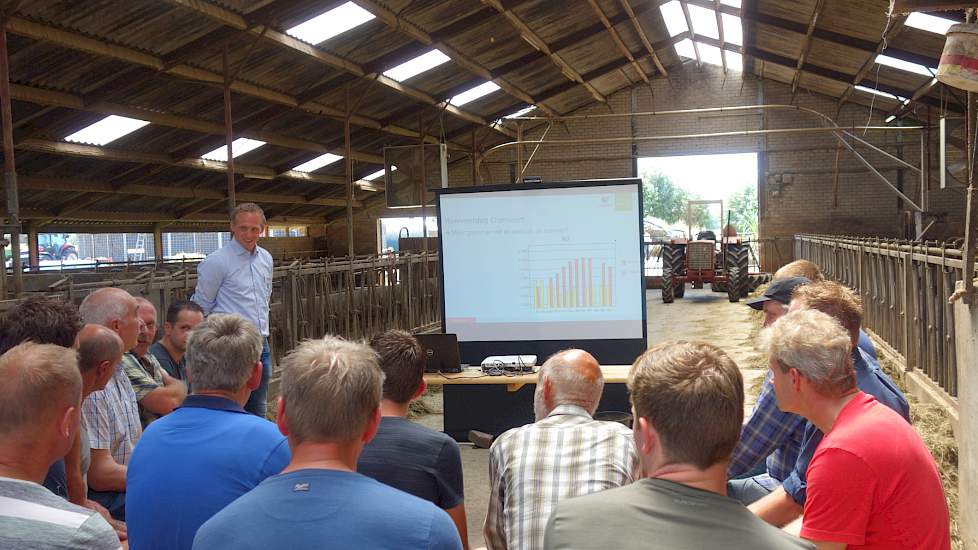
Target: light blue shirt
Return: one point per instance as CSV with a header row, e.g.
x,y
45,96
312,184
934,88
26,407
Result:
x,y
233,280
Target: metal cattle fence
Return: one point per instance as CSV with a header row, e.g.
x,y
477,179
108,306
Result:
x,y
310,298
905,288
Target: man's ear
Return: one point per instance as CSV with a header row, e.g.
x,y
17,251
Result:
x,y
68,423
547,391
372,425
280,417
795,379
421,387
255,379
646,438
167,328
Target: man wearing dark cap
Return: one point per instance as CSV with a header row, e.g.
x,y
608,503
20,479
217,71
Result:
x,y
769,433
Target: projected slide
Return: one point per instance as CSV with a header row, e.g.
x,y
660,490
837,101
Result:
x,y
543,264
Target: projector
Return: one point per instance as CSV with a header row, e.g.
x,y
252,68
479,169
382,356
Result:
x,y
511,362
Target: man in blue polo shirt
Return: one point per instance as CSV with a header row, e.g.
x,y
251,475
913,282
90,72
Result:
x,y
195,461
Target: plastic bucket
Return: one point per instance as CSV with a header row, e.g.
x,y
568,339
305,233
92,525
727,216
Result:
x,y
959,62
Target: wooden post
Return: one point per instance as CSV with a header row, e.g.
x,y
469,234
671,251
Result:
x,y
158,242
32,245
228,129
9,169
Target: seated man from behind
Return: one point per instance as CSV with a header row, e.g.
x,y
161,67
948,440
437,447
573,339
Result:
x,y
406,455
112,415
40,396
564,454
157,393
784,504
46,321
872,483
181,317
329,407
688,403
198,459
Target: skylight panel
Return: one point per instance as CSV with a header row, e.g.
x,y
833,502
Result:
x,y
704,21
317,163
734,3
710,54
106,130
239,147
327,25
672,14
473,94
929,23
521,112
416,66
735,61
904,65
733,31
873,91
379,174
685,49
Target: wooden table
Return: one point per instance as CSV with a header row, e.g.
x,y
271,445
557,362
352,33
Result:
x,y
494,404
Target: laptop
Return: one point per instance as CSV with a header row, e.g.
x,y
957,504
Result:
x,y
441,352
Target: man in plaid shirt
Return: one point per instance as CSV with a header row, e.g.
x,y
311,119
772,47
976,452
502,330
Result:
x,y
566,453
111,414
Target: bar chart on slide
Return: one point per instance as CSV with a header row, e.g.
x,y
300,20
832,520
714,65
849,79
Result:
x,y
569,276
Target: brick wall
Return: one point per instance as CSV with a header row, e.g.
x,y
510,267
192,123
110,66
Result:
x,y
797,186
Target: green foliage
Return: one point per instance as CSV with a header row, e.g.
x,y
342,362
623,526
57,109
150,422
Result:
x,y
663,200
743,208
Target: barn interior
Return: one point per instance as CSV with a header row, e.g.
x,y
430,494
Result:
x,y
118,120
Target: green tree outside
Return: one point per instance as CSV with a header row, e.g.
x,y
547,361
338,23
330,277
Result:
x,y
664,200
744,210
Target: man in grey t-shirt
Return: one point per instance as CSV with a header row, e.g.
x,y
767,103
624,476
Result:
x,y
40,399
688,405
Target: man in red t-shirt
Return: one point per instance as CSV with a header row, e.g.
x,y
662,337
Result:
x,y
872,483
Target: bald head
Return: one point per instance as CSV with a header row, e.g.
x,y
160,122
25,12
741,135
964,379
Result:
x,y
569,377
113,308
97,344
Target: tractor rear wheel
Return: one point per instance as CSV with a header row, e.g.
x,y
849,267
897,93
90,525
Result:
x,y
667,290
737,260
673,265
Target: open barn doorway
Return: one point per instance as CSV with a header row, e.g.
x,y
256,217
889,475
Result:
x,y
669,184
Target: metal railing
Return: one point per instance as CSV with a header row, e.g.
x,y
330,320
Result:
x,y
310,298
905,288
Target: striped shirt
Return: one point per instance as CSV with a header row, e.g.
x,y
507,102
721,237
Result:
x,y
33,518
533,467
112,417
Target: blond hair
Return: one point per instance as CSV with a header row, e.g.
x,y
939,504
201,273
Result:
x,y
331,388
693,395
814,344
38,381
799,268
248,207
836,300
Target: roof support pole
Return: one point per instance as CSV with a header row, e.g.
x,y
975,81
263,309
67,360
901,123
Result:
x,y
32,247
229,129
9,169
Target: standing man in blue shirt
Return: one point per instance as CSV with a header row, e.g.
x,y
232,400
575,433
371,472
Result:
x,y
237,278
196,460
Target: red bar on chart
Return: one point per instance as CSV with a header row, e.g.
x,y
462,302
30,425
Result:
x,y
577,283
604,283
590,284
550,292
563,287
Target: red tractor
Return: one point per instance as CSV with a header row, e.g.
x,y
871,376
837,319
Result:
x,y
723,263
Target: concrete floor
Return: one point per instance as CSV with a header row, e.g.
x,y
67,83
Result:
x,y
702,315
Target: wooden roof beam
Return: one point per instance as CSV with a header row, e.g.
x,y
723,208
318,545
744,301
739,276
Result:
x,y
692,31
895,23
167,190
79,42
643,37
52,98
119,155
241,23
149,217
534,40
618,41
807,46
723,40
394,21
